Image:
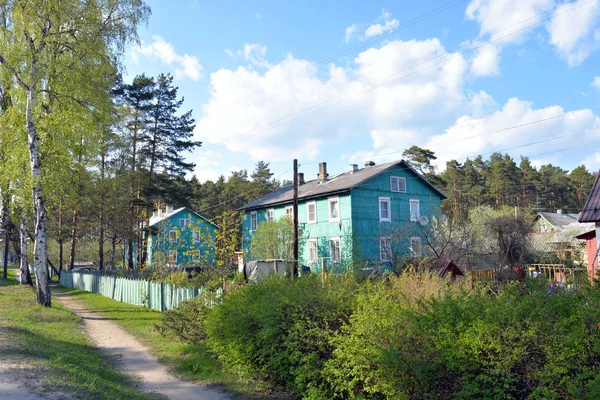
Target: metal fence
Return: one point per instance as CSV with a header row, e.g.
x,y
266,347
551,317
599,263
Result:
x,y
157,296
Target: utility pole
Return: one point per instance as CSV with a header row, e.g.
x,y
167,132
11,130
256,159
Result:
x,y
295,212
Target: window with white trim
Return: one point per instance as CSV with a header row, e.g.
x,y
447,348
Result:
x,y
196,255
415,211
173,235
385,212
415,246
289,212
334,209
397,184
196,235
311,212
335,250
253,221
172,257
270,215
184,221
385,248
313,254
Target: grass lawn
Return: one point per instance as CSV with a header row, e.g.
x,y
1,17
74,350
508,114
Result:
x,y
191,361
51,344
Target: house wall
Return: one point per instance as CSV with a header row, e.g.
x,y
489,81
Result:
x,y
365,213
321,231
591,248
359,227
159,244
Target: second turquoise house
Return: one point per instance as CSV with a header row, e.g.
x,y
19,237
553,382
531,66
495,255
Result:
x,y
361,217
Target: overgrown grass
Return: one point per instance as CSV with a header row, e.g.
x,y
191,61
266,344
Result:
x,y
191,361
51,343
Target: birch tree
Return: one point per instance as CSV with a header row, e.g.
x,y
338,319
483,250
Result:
x,y
44,43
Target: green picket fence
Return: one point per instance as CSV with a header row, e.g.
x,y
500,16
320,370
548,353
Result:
x,y
157,296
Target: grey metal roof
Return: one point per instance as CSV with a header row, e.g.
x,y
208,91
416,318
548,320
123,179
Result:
x,y
337,184
591,209
157,219
559,220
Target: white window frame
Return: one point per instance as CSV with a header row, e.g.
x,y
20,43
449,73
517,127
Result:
x,y
175,234
183,222
385,255
253,220
398,179
195,255
289,212
316,244
388,200
417,239
196,235
308,205
329,201
172,255
414,218
332,259
271,215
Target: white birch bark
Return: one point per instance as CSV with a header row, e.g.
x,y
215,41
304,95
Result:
x,y
25,278
40,255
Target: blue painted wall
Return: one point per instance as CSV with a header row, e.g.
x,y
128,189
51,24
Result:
x,y
184,246
359,227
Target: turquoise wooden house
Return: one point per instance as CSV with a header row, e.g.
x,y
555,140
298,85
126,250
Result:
x,y
369,216
179,238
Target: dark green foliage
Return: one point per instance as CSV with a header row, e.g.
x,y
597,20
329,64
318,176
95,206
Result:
x,y
279,330
411,336
186,321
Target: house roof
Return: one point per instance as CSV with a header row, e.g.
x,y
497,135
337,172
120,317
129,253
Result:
x,y
433,264
157,219
337,184
567,237
557,220
591,209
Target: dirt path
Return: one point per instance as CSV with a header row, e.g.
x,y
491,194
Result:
x,y
134,359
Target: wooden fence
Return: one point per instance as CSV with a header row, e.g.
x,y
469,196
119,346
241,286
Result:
x,y
157,296
558,273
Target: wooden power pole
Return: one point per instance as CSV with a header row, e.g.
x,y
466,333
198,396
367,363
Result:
x,y
295,212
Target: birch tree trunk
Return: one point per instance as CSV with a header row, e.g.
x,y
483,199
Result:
x,y
24,263
40,247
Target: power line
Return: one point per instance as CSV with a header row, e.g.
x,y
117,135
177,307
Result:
x,y
374,85
408,24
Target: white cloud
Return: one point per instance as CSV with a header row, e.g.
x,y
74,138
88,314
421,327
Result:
x,y
255,53
380,29
385,23
510,18
160,49
486,61
350,32
596,82
470,136
572,32
258,15
268,116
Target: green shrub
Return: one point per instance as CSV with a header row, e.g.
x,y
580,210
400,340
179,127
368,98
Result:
x,y
280,330
402,342
187,320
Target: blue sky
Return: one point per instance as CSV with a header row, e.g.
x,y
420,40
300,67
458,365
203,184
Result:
x,y
358,81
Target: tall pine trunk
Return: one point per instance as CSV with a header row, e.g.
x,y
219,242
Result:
x,y
73,239
40,247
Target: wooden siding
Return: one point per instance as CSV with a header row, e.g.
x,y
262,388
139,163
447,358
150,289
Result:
x,y
159,244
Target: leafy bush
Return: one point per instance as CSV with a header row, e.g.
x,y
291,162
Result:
x,y
280,329
187,320
469,344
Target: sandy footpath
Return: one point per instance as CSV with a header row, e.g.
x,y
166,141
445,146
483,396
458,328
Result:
x,y
134,359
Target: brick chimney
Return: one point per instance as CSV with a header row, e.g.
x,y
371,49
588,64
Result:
x,y
369,164
323,171
353,168
300,178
